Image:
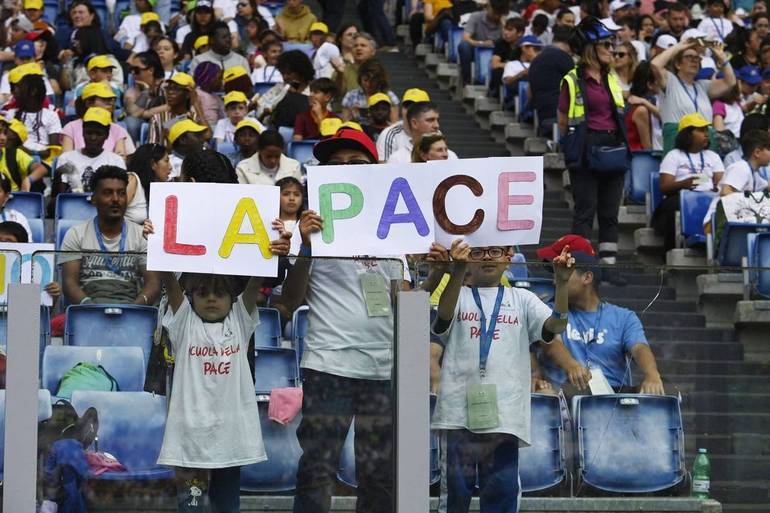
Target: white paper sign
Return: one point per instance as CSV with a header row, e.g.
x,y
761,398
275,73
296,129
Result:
x,y
34,268
393,209
213,228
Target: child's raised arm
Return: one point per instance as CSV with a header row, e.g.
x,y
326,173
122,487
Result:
x,y
279,247
174,291
460,251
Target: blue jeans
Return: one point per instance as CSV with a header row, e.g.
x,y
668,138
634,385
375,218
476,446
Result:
x,y
134,128
493,458
372,14
465,56
209,491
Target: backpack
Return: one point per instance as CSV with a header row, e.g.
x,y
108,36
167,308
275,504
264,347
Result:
x,y
86,376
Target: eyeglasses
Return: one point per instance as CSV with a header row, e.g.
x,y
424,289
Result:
x,y
136,70
493,252
620,55
694,58
354,162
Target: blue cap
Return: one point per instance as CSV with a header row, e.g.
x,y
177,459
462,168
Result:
x,y
529,40
749,74
594,30
24,49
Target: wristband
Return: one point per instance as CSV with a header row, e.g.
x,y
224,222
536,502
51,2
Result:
x,y
146,301
85,300
560,316
304,251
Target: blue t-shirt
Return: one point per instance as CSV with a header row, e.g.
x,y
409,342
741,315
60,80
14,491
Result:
x,y
601,339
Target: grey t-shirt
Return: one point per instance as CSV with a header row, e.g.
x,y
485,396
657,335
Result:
x,y
481,29
679,99
114,279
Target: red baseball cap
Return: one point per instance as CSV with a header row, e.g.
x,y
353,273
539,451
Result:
x,y
575,243
345,139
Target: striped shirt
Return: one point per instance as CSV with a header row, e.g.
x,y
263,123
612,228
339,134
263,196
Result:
x,y
391,139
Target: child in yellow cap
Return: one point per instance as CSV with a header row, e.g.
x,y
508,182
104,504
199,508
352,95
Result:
x,y
74,168
25,174
236,108
151,28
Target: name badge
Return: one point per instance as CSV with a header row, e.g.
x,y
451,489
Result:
x,y
482,406
376,295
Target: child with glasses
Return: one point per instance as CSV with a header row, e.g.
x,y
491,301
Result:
x,y
483,407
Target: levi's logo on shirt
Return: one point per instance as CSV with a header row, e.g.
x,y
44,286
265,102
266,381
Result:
x,y
586,336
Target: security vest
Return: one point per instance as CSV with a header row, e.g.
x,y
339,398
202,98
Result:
x,y
576,113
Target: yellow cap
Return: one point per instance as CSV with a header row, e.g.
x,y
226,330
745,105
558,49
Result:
x,y
182,79
693,120
18,128
233,73
33,4
415,95
249,123
182,127
98,115
147,17
329,126
319,26
201,41
351,124
377,98
99,61
99,89
19,72
235,97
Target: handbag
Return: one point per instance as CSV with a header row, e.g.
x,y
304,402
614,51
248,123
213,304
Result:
x,y
573,145
607,159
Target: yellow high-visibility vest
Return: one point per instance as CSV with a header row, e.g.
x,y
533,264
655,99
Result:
x,y
576,113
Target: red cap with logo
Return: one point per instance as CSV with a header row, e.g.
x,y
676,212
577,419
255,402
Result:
x,y
345,139
575,243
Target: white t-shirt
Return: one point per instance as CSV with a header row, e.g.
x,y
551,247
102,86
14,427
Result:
x,y
677,164
641,50
136,211
739,176
266,15
513,68
224,130
186,29
322,58
404,154
679,99
39,126
9,214
716,28
519,324
391,139
213,418
78,175
341,337
269,74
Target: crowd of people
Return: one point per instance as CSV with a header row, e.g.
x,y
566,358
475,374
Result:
x,y
217,92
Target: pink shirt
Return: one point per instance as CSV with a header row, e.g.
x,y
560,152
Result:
x,y
74,130
598,102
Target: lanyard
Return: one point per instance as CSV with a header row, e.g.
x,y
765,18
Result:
x,y
694,98
753,175
487,332
270,78
721,25
2,214
692,166
121,246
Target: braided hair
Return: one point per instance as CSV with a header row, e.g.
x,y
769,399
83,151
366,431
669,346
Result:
x,y
30,94
208,166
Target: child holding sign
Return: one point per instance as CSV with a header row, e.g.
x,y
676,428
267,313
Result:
x,y
212,428
483,407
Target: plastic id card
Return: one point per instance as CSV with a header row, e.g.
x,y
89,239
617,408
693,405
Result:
x,y
376,295
482,406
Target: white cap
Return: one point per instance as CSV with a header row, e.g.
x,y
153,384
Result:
x,y
692,34
610,24
665,41
620,4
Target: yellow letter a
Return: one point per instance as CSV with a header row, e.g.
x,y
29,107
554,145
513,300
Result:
x,y
233,236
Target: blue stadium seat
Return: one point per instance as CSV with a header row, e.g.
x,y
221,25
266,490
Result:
x,y
45,329
301,151
279,472
71,209
693,207
542,465
111,325
37,227
299,330
69,102
347,467
176,6
125,364
732,245
307,48
51,11
518,276
274,7
226,148
758,252
61,230
643,165
144,133
275,367
482,60
43,413
287,132
263,87
653,197
455,36
526,111
131,428
629,443
268,333
28,203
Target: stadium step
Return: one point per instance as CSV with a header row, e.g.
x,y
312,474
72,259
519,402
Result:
x,y
662,334
712,367
725,423
711,402
688,383
730,443
699,350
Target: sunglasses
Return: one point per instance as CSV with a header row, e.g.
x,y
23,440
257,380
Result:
x,y
354,162
243,4
609,45
620,55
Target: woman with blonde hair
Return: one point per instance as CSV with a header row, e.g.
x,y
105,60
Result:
x,y
625,65
430,147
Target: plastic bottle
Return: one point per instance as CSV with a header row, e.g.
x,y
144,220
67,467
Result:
x,y
701,475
